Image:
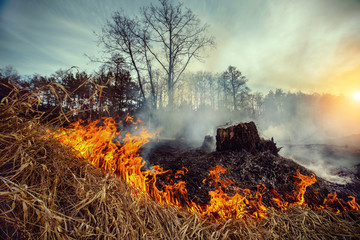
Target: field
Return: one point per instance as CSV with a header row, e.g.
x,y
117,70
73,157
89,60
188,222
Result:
x,y
47,192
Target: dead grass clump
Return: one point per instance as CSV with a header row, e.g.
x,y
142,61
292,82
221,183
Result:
x,y
46,193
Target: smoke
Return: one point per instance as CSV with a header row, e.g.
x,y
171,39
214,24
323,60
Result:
x,y
326,161
190,125
320,132
334,159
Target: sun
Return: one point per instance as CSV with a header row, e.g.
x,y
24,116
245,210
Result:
x,y
357,96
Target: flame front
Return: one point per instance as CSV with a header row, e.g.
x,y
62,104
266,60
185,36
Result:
x,y
102,146
108,148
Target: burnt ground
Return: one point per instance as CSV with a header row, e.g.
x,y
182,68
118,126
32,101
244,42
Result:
x,y
246,169
341,160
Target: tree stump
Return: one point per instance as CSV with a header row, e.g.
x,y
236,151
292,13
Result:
x,y
208,144
238,137
243,136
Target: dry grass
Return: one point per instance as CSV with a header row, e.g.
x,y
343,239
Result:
x,y
46,193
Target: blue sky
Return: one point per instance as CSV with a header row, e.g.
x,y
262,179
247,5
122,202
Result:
x,y
307,45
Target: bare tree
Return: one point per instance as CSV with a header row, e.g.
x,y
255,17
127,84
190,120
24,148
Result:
x,y
121,35
256,101
176,36
164,37
222,92
235,82
202,86
211,88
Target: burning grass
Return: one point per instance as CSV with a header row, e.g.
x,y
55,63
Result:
x,y
48,193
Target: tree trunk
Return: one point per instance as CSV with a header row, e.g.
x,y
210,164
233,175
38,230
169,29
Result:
x,y
243,136
234,100
170,96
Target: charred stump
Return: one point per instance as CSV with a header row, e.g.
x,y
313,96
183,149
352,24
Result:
x,y
238,137
208,144
243,136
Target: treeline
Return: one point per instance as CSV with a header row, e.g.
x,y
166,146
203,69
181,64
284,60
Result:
x,y
112,92
106,93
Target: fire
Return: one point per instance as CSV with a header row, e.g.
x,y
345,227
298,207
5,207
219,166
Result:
x,y
103,146
303,183
236,206
106,147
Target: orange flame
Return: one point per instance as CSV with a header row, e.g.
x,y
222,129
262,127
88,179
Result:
x,y
103,146
237,206
303,183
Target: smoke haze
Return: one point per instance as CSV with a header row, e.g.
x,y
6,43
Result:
x,y
313,129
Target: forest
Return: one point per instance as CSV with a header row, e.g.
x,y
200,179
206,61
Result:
x,y
202,100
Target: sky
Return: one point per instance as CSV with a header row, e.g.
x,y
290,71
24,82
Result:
x,y
296,45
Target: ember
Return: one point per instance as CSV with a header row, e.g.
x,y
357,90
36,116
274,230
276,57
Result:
x,y
116,152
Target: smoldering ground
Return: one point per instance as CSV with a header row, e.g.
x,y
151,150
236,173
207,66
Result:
x,y
314,139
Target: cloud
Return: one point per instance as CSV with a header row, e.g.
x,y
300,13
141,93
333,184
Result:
x,y
293,45
283,44
302,44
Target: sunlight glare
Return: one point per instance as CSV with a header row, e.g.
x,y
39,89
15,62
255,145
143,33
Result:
x,y
357,96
